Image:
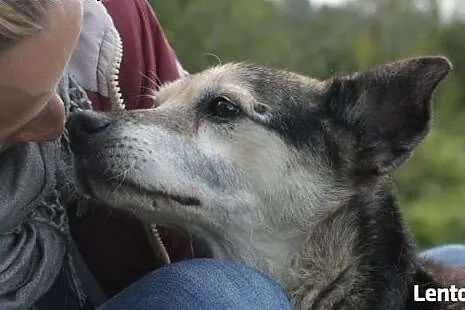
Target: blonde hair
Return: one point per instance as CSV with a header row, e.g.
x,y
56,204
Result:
x,y
20,19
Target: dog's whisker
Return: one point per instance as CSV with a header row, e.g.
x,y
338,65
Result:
x,y
124,174
216,57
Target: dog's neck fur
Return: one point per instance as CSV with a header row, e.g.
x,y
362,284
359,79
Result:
x,y
360,248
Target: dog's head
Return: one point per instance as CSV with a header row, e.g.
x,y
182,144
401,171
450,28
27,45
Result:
x,y
244,147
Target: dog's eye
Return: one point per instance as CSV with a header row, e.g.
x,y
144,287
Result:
x,y
224,108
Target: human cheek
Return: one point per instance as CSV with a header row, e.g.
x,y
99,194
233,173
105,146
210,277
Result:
x,y
47,125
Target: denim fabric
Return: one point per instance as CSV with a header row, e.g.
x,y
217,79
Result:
x,y
201,284
452,254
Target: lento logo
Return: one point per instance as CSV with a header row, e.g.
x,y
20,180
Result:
x,y
440,294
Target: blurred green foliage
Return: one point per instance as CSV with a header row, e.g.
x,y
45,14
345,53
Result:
x,y
318,41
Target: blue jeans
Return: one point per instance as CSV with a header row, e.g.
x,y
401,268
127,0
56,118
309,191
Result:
x,y
201,284
452,255
213,284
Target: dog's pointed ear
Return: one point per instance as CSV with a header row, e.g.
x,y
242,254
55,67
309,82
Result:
x,y
387,108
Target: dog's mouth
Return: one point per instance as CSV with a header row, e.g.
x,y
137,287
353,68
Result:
x,y
86,181
183,200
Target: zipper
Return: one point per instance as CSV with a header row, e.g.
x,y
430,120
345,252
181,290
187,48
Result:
x,y
114,90
117,103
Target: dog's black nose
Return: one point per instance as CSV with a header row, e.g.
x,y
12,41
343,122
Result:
x,y
82,125
88,122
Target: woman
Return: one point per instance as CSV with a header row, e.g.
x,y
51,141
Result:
x,y
48,50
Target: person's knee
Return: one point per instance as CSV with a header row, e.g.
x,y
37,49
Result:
x,y
203,284
225,283
452,254
212,271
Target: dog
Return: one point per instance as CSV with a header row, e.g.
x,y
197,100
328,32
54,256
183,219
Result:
x,y
282,172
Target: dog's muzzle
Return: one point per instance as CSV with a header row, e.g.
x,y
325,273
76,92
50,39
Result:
x,y
83,125
90,133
